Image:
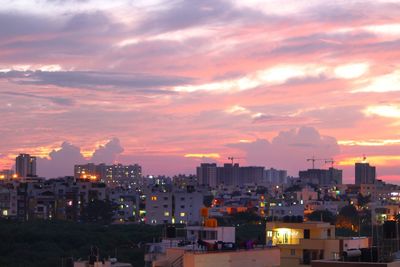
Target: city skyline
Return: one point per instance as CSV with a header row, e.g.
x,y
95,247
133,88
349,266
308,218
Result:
x,y
169,85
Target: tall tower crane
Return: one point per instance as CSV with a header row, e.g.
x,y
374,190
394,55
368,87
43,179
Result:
x,y
313,159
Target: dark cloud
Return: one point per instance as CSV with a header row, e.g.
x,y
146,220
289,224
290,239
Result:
x,y
97,80
97,21
290,149
62,101
184,14
17,24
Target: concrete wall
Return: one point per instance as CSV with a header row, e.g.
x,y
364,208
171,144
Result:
x,y
352,264
252,258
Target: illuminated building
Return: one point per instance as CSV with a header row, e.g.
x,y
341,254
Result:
x,y
173,206
127,205
25,166
6,175
117,175
300,243
180,248
8,202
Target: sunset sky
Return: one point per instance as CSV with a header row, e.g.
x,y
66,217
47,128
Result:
x,y
171,84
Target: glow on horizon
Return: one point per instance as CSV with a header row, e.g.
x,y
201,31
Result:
x,y
203,155
388,111
182,81
375,160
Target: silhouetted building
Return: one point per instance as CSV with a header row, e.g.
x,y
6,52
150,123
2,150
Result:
x,y
25,165
273,176
229,175
321,177
365,174
207,174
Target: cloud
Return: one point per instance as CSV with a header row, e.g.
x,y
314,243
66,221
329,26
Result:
x,y
290,149
185,14
60,162
108,153
62,101
139,82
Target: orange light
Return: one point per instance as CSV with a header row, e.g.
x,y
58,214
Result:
x,y
84,176
2,176
93,177
15,176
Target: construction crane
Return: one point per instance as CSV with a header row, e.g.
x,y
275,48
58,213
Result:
x,y
331,161
313,159
233,158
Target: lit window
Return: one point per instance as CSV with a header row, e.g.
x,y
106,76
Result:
x,y
269,233
182,214
154,198
166,213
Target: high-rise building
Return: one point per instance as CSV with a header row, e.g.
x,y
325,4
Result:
x,y
364,173
113,175
273,176
207,174
331,176
25,165
229,174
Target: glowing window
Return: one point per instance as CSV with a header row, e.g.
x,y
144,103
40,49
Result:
x,y
154,198
182,214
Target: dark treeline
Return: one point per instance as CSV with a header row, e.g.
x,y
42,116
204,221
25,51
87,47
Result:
x,y
48,243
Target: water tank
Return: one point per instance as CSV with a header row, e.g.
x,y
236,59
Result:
x,y
352,253
204,212
211,223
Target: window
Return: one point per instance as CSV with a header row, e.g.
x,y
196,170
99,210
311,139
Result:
x,y
306,233
182,214
165,206
269,233
154,198
166,214
165,198
292,252
182,206
329,233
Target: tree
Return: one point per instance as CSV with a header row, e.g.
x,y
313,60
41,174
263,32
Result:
x,y
326,216
363,200
99,211
348,218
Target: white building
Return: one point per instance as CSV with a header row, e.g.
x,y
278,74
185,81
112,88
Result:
x,y
176,206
